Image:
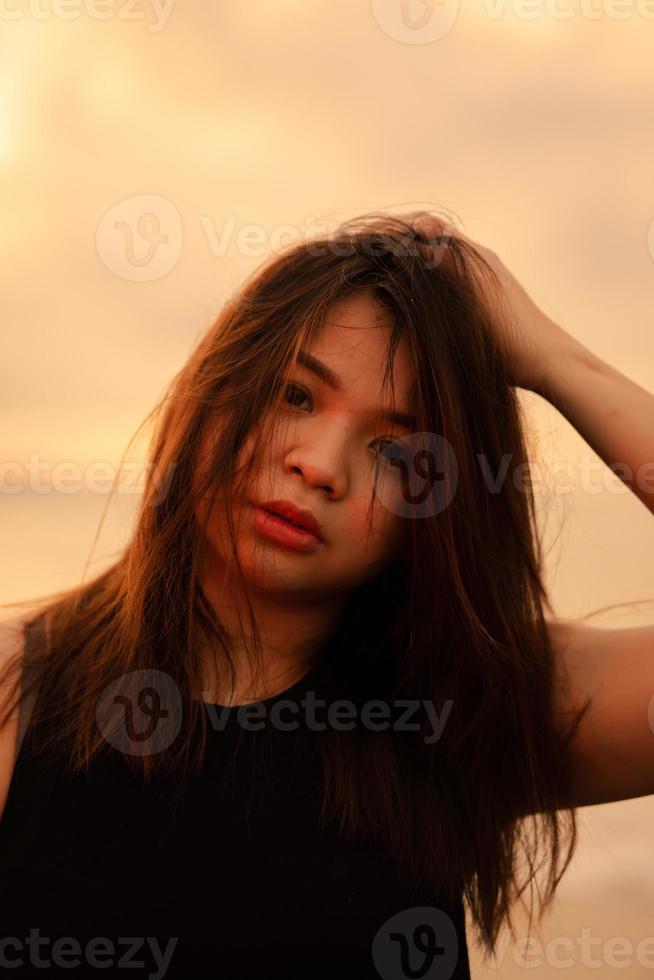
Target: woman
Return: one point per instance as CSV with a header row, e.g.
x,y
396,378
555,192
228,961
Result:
x,y
328,522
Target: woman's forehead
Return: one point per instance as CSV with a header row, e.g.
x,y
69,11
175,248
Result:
x,y
345,350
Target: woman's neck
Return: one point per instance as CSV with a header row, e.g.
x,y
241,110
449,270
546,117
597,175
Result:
x,y
292,636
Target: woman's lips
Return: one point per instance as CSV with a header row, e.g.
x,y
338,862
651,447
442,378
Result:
x,y
290,511
282,532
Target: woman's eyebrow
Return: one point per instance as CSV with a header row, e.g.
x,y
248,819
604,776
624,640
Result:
x,y
333,381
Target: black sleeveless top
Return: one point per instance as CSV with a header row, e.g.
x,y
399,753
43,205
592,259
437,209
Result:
x,y
97,878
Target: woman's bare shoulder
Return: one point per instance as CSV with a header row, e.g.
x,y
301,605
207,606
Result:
x,y
11,645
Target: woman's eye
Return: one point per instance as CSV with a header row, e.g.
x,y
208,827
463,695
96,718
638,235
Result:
x,y
297,392
392,450
389,449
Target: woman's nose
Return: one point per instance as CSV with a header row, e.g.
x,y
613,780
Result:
x,y
319,472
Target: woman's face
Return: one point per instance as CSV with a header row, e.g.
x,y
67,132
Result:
x,y
328,449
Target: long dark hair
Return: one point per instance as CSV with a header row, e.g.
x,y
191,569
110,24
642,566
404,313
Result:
x,y
463,609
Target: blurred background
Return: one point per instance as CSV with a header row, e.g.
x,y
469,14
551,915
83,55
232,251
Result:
x,y
154,153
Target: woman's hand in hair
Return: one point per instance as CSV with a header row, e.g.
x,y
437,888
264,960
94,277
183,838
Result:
x,y
533,342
